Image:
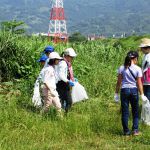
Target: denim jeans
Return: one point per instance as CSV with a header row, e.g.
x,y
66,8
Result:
x,y
129,95
147,91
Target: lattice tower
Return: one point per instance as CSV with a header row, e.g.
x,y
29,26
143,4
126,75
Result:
x,y
57,24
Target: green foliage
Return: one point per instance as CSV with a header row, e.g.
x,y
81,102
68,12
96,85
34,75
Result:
x,y
77,37
93,124
14,27
19,55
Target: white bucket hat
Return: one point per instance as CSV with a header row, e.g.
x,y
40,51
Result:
x,y
70,52
145,43
55,55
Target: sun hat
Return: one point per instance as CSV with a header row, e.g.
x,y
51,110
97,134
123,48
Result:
x,y
133,54
43,58
145,43
70,52
55,55
49,49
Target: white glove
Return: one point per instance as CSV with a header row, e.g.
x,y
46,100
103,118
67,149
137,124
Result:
x,y
144,98
116,97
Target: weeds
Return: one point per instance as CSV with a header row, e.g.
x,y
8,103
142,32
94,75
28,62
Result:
x,y
93,124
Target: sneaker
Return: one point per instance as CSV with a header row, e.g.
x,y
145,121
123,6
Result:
x,y
136,133
127,133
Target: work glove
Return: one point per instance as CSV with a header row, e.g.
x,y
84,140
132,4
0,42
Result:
x,y
116,97
71,83
144,98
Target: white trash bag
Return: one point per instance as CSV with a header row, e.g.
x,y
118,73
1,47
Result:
x,y
36,99
145,114
78,93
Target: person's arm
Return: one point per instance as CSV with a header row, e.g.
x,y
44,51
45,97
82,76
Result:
x,y
140,85
118,85
62,71
119,80
146,62
46,76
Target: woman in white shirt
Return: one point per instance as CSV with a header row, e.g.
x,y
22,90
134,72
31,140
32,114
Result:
x,y
66,78
49,84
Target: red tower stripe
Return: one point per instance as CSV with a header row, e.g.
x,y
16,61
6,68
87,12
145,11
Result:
x,y
57,14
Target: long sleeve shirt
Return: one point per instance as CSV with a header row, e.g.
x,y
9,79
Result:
x,y
49,77
62,71
146,62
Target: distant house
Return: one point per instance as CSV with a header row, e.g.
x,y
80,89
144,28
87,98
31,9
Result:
x,y
40,34
95,37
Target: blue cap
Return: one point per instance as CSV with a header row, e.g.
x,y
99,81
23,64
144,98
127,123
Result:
x,y
49,49
43,58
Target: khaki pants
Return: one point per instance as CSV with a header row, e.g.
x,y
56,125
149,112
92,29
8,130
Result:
x,y
50,99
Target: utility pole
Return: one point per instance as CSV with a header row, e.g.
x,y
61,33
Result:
x,y
57,25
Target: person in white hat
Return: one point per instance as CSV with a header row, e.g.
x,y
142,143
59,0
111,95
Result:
x,y
49,84
145,47
66,78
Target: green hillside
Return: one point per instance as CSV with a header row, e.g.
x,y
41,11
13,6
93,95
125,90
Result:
x,y
105,17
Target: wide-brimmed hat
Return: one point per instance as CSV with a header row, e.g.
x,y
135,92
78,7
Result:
x,y
54,55
70,52
145,43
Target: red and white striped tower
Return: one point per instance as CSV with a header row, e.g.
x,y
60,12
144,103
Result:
x,y
57,24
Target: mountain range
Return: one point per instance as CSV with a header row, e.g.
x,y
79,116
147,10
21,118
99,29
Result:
x,y
100,17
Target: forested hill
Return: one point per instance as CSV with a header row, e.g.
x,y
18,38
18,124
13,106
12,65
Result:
x,y
97,16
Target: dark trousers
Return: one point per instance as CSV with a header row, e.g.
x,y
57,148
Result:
x,y
147,91
64,92
129,95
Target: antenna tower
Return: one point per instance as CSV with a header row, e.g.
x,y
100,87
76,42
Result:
x,y
57,24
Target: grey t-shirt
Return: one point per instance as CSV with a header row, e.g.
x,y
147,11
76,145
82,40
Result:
x,y
128,81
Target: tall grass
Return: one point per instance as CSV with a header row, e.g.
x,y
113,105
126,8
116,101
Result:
x,y
93,124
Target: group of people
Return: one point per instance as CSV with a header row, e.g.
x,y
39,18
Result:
x,y
131,79
56,78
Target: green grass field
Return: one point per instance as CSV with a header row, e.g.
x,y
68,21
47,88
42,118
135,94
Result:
x,y
91,125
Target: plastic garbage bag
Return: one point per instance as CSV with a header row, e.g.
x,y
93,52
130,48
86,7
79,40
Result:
x,y
36,99
145,114
78,93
